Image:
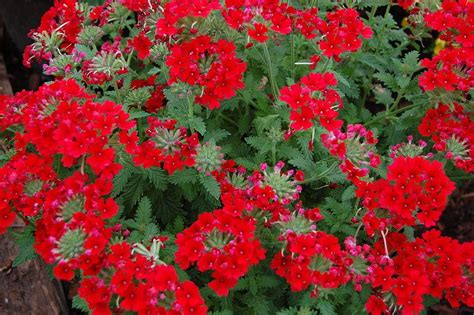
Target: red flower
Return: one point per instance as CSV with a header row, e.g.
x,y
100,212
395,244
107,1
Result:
x,y
376,306
142,44
223,77
217,241
63,271
302,120
259,33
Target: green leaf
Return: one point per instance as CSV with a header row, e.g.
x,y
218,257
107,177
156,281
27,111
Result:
x,y
138,114
157,177
84,49
177,226
326,308
197,123
135,190
216,134
79,304
383,96
409,233
120,181
348,193
25,241
262,145
143,214
211,186
265,122
150,231
410,61
186,176
388,79
373,3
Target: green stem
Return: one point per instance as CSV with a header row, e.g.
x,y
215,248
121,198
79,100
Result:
x,y
400,95
190,111
117,92
83,164
270,71
293,56
389,114
228,120
274,153
129,58
326,64
317,177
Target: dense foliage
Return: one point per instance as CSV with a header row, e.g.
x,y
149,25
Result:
x,y
245,156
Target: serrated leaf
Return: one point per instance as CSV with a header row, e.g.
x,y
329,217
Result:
x,y
211,186
80,304
197,123
186,176
264,123
403,81
120,181
177,226
138,114
384,96
348,193
25,241
143,214
217,135
157,177
150,231
373,3
84,49
263,145
410,60
154,70
326,308
409,233
387,79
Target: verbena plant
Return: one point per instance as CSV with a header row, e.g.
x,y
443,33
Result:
x,y
245,156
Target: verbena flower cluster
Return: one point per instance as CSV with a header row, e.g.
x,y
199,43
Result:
x,y
263,142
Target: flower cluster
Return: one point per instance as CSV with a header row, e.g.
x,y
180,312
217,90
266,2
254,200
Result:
x,y
355,147
212,67
451,69
44,121
431,264
167,146
223,243
415,191
409,149
59,28
178,16
342,33
313,98
451,129
156,100
313,259
266,194
259,18
141,285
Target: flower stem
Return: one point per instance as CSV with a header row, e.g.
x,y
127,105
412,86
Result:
x,y
190,111
317,177
117,92
389,114
270,71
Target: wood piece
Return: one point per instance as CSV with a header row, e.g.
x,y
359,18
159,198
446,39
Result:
x,y
5,87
